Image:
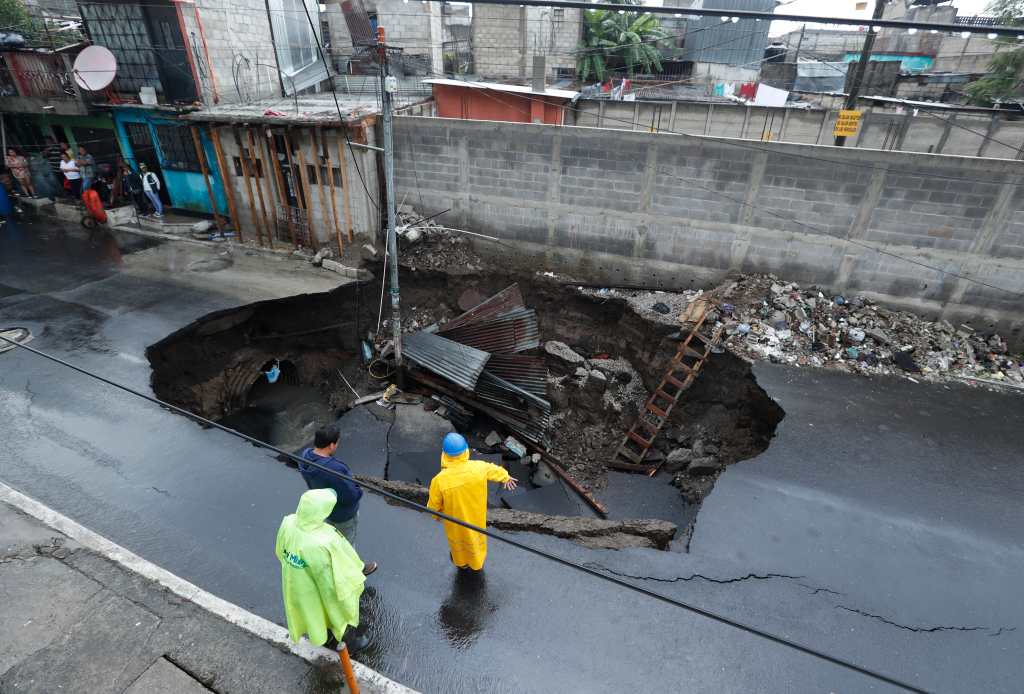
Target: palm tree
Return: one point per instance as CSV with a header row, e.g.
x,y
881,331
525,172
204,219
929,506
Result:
x,y
627,37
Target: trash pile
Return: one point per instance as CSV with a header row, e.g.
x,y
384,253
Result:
x,y
426,244
768,319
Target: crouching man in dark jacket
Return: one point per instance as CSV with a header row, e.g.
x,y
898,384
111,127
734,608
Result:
x,y
345,515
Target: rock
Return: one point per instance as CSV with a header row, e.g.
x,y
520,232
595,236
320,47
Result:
x,y
705,465
878,335
562,357
581,373
515,447
619,369
597,381
661,308
678,459
202,227
492,439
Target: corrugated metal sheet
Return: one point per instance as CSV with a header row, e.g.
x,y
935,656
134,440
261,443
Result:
x,y
502,302
514,331
710,40
528,372
502,393
460,364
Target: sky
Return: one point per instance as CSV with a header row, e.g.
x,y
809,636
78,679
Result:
x,y
847,8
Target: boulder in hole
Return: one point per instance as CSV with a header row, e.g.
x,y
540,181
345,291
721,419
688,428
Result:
x,y
561,357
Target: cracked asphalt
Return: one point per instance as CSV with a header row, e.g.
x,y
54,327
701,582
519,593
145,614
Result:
x,y
882,525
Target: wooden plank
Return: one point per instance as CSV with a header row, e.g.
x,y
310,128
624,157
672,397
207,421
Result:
x,y
299,194
248,184
305,186
201,155
330,179
253,153
343,163
320,184
229,189
281,187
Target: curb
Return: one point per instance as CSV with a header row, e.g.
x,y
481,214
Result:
x,y
254,624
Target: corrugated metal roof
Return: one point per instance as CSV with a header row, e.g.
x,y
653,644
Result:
x,y
502,302
498,391
460,364
514,331
710,40
528,372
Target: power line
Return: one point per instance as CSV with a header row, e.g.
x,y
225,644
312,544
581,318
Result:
x,y
782,641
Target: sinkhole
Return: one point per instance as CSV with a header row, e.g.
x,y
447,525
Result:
x,y
216,367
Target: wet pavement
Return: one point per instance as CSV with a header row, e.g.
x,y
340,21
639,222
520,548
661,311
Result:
x,y
882,524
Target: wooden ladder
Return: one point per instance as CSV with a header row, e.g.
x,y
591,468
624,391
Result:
x,y
682,371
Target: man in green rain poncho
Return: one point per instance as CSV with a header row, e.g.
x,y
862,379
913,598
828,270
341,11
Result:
x,y
321,575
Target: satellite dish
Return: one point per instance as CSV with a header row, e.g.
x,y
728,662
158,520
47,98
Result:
x,y
95,68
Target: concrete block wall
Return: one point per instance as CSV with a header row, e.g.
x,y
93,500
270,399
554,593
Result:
x,y
678,211
505,39
242,62
936,132
364,217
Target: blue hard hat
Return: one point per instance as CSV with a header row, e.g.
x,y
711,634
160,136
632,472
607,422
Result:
x,y
454,444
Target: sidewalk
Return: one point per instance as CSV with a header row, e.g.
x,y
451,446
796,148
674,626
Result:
x,y
76,618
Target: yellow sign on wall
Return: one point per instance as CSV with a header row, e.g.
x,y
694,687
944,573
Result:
x,y
847,123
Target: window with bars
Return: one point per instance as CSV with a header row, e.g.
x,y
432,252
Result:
x,y
178,148
255,165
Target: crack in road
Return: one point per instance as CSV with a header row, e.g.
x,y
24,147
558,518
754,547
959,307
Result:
x,y
924,630
692,577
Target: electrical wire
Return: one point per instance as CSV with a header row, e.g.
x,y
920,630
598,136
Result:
x,y
779,640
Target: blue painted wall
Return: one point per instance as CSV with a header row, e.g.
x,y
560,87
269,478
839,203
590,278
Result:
x,y
908,63
186,189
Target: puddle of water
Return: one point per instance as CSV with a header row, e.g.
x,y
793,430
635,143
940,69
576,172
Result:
x,y
286,415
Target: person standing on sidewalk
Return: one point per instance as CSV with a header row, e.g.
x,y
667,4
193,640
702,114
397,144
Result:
x,y
460,490
345,516
72,177
321,575
131,184
151,187
86,166
18,165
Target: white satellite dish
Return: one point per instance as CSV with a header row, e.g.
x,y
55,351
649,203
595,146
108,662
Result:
x,y
95,68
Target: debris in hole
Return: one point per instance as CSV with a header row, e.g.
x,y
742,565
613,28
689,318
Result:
x,y
683,370
807,326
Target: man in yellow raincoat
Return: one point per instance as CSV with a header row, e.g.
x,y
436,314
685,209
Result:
x,y
460,490
321,575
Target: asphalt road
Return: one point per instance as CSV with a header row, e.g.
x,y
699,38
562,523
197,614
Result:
x,y
882,525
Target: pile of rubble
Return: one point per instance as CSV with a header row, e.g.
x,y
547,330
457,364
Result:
x,y
426,244
768,319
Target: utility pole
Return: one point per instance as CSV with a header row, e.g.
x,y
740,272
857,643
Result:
x,y
388,87
862,66
800,42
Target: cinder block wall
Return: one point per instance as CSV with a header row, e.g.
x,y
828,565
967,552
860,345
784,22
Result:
x,y
675,211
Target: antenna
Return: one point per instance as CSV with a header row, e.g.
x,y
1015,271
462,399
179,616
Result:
x,y
94,68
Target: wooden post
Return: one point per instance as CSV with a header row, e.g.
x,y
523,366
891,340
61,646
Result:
x,y
343,165
291,167
229,190
330,179
282,189
305,186
259,187
320,184
248,184
201,155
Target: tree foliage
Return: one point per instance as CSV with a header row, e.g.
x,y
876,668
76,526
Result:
x,y
1005,74
14,16
625,37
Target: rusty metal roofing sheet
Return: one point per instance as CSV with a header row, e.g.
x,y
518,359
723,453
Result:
x,y
460,364
516,330
502,302
528,372
498,391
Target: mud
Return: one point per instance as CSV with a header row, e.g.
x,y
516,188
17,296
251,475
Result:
x,y
212,367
